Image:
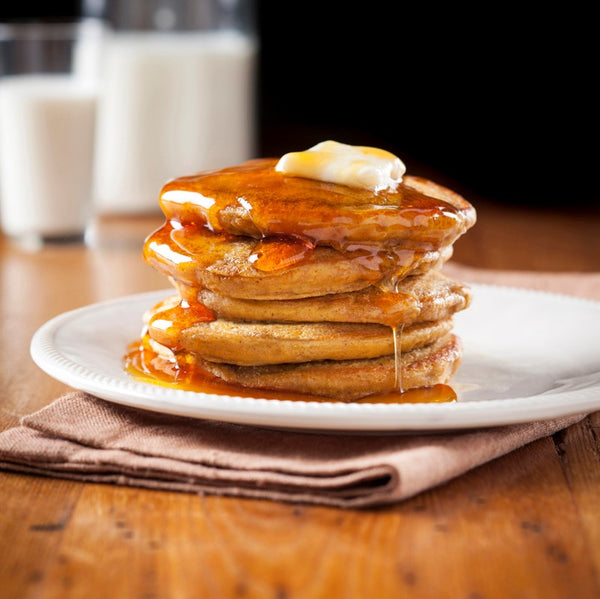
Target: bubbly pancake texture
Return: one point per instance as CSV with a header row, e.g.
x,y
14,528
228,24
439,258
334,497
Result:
x,y
292,284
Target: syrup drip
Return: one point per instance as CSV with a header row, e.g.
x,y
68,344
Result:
x,y
174,319
397,333
278,252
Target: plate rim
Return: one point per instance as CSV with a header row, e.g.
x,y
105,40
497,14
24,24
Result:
x,y
278,412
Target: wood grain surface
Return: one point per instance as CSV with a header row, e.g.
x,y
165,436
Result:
x,y
526,525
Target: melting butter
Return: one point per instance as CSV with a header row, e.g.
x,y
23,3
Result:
x,y
356,166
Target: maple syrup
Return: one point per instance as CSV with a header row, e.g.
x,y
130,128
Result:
x,y
278,252
168,322
397,334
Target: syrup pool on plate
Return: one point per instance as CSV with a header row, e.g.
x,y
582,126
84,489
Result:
x,y
145,364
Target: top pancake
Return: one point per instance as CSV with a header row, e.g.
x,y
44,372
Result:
x,y
255,200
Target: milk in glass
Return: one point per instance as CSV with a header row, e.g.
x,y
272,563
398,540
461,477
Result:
x,y
47,124
170,103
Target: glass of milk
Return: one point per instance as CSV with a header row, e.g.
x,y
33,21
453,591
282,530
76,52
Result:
x,y
177,95
47,124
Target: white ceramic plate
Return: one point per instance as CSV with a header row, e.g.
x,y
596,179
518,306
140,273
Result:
x,y
528,356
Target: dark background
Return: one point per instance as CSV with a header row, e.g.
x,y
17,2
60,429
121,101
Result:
x,y
496,99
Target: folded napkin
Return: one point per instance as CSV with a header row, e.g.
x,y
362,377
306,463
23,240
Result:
x,y
84,438
81,437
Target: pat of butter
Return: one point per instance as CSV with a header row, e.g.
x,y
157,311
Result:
x,y
356,166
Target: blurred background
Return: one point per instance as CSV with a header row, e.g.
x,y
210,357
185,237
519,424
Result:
x,y
496,99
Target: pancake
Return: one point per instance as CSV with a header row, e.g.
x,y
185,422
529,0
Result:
x,y
257,343
197,257
350,380
254,200
432,296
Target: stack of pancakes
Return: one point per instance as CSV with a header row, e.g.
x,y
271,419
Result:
x,y
298,285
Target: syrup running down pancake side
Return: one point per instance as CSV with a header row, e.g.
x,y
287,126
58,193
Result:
x,y
258,241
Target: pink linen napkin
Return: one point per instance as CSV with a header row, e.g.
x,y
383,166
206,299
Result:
x,y
83,438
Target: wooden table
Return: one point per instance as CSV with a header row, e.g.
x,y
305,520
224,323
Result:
x,y
525,525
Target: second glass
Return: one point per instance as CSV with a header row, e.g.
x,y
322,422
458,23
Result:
x,y
176,97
